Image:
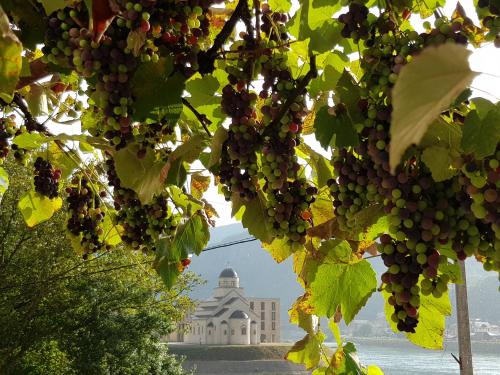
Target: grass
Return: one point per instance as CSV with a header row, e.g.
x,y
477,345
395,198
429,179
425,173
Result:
x,y
230,352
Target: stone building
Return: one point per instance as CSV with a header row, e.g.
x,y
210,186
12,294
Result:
x,y
230,318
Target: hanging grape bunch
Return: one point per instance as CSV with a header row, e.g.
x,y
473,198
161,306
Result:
x,y
7,130
46,178
143,224
86,214
141,32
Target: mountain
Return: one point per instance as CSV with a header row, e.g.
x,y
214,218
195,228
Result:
x,y
261,276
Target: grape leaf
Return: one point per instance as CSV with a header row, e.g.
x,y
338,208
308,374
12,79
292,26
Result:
x,y
4,182
438,160
37,208
145,176
280,249
282,6
11,61
30,141
191,236
111,232
426,8
313,20
307,351
426,87
322,209
431,325
218,140
51,6
334,130
253,216
158,91
199,184
167,261
332,66
204,86
481,135
347,286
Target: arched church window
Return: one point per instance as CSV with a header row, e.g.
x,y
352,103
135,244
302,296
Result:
x,y
209,332
225,332
232,332
243,330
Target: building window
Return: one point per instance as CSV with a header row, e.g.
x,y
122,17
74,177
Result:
x,y
273,338
262,326
251,305
254,332
262,338
273,306
273,325
198,330
262,315
225,332
232,332
209,332
243,330
262,305
273,315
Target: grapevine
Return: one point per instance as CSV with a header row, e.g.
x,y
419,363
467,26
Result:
x,y
160,98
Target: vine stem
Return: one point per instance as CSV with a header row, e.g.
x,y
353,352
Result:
x,y
207,58
201,117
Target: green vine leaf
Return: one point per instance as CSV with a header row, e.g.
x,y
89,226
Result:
x,y
283,6
36,208
4,182
430,329
347,286
314,20
438,160
158,91
424,89
167,261
334,131
145,176
481,135
192,236
11,60
30,141
307,351
253,216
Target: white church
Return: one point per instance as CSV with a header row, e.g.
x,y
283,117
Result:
x,y
230,318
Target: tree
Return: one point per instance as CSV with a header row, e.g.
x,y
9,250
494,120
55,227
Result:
x,y
105,315
411,166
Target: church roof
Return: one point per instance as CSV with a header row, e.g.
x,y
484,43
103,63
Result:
x,y
238,314
228,272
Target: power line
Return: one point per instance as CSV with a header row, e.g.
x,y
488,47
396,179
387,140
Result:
x,y
232,243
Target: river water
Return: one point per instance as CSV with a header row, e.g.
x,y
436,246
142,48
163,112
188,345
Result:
x,y
397,357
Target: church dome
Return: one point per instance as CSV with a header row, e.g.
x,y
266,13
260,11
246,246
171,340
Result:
x,y
229,273
238,314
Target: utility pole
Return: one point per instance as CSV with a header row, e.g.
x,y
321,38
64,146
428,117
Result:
x,y
463,325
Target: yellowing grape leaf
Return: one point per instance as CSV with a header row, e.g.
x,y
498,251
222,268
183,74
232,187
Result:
x,y
111,232
307,351
199,184
11,61
431,325
51,6
37,208
145,176
280,249
218,140
347,286
424,89
4,182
